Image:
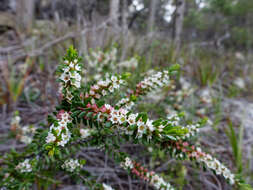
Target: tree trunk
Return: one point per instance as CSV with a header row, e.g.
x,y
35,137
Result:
x,y
124,29
114,13
25,14
179,19
151,19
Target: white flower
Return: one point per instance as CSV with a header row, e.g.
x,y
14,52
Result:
x,y
239,82
121,119
61,130
77,84
65,77
127,164
104,93
78,77
107,187
50,138
160,128
71,165
71,65
85,133
114,118
150,125
111,89
114,78
115,85
141,128
77,67
25,139
24,166
15,120
108,107
131,119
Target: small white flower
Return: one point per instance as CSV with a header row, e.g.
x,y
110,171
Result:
x,y
85,133
107,187
104,93
24,166
121,119
50,138
114,78
131,119
239,82
65,77
25,139
77,84
71,65
114,119
150,125
115,85
71,165
141,128
111,89
77,67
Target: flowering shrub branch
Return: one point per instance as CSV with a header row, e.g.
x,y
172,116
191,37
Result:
x,y
151,177
149,84
85,118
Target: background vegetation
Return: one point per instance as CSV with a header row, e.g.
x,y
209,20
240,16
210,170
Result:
x,y
210,39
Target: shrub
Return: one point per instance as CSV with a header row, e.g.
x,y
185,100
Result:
x,y
84,118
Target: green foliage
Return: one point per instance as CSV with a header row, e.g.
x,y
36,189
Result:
x,y
236,144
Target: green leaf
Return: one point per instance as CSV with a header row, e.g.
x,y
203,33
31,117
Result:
x,y
175,67
75,113
82,162
125,75
81,114
171,137
51,152
89,115
244,186
100,103
108,124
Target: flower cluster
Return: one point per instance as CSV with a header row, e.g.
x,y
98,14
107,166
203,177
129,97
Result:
x,y
15,122
127,164
102,62
85,133
181,149
70,76
146,126
214,164
128,104
192,130
99,59
59,132
24,166
26,135
155,81
152,83
71,165
121,116
152,178
103,87
23,134
130,64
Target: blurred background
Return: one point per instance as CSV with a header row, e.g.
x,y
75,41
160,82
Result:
x,y
211,39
